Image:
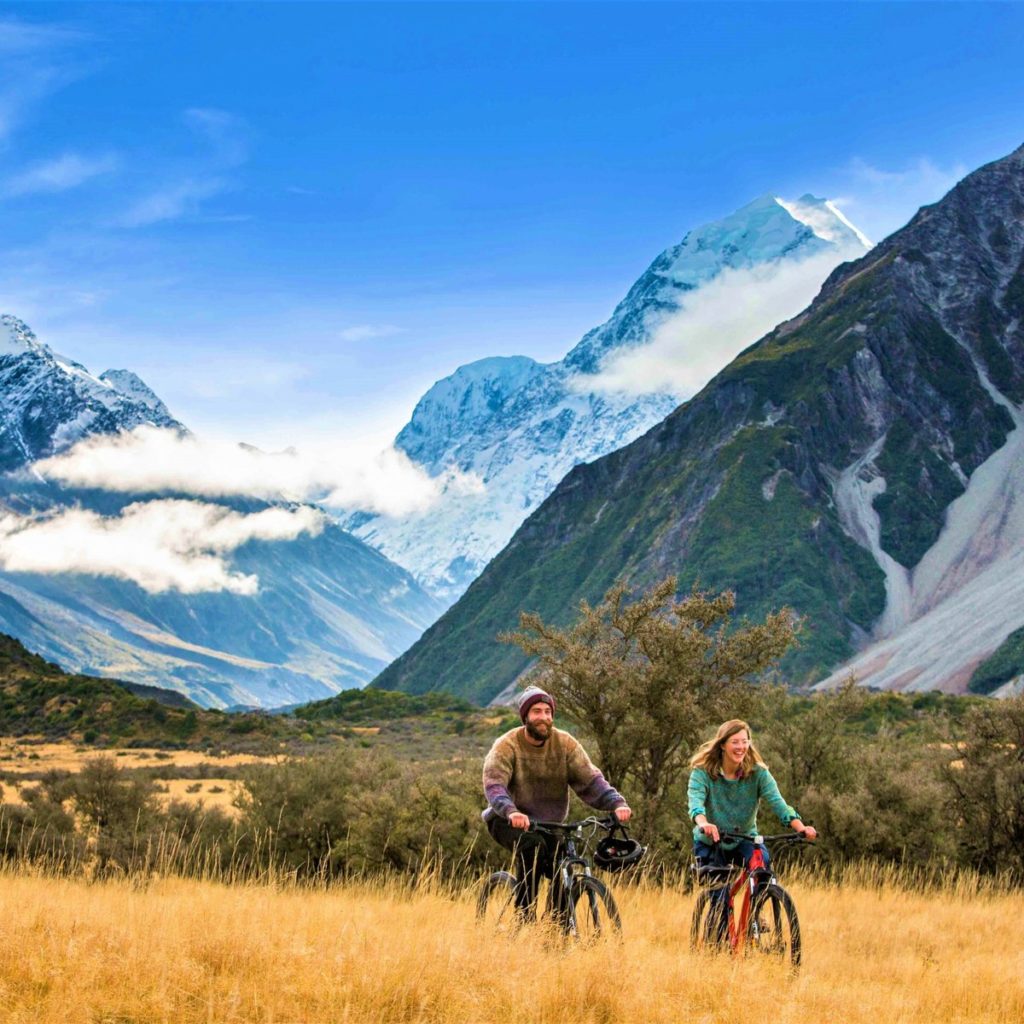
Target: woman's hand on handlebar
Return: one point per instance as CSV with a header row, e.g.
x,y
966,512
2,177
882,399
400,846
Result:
x,y
518,820
709,830
809,832
623,814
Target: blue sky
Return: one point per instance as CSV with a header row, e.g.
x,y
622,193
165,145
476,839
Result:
x,y
291,219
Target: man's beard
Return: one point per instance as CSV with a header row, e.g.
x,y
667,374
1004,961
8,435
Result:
x,y
534,731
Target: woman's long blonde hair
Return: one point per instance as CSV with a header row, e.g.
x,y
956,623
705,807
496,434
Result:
x,y
709,755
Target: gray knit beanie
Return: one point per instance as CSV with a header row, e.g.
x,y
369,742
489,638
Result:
x,y
530,696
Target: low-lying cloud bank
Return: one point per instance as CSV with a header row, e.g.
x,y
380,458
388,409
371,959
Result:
x,y
720,320
149,460
160,545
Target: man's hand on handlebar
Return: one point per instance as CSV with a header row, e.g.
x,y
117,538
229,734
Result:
x,y
623,814
517,820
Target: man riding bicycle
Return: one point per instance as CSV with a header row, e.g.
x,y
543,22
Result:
x,y
528,774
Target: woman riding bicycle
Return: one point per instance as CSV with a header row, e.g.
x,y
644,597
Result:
x,y
727,782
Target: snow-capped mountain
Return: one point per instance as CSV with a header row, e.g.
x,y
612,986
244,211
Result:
x,y
516,427
329,613
50,402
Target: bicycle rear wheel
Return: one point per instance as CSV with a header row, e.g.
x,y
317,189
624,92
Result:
x,y
774,928
496,904
595,911
709,925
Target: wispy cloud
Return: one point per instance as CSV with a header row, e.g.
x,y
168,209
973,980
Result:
x,y
160,545
881,200
227,137
33,64
720,319
152,460
58,175
228,134
19,38
368,332
171,202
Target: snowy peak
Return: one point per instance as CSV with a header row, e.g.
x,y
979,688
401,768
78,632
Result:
x,y
463,403
766,231
826,220
131,386
519,426
16,337
49,402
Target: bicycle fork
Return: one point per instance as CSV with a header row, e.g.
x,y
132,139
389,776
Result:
x,y
567,874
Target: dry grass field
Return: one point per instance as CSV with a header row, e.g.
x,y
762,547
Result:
x,y
22,760
185,951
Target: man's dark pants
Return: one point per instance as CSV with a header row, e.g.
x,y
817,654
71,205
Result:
x,y
536,854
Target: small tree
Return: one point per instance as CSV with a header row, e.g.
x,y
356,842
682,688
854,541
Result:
x,y
984,777
647,677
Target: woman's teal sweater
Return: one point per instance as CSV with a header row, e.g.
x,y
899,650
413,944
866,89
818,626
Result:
x,y
731,804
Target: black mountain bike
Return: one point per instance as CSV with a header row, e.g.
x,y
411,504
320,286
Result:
x,y
577,902
746,910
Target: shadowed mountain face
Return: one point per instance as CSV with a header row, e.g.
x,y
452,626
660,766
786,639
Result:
x,y
815,471
330,611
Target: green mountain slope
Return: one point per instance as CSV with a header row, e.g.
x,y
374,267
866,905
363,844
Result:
x,y
756,483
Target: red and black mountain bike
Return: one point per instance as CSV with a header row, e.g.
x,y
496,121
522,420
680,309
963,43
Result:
x,y
744,909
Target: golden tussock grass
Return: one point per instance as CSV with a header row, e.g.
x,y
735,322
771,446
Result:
x,y
25,755
191,951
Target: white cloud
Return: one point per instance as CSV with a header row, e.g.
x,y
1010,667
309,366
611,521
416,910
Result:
x,y
153,460
720,319
160,545
228,133
200,179
883,200
19,38
367,332
31,67
171,202
58,175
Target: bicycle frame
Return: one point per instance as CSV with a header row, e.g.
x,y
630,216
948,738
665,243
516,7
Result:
x,y
749,879
570,865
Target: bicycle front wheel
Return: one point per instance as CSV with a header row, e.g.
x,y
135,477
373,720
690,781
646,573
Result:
x,y
496,904
774,928
594,908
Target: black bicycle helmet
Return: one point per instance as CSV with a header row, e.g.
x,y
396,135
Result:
x,y
616,853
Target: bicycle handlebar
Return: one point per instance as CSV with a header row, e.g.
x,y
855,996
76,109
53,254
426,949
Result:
x,y
571,826
785,837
